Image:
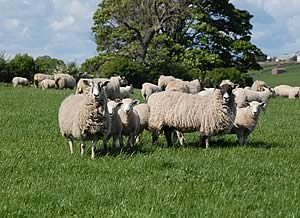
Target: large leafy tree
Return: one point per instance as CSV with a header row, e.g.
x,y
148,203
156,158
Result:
x,y
22,65
46,64
201,34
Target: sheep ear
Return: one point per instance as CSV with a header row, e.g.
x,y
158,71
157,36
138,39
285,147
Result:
x,y
136,102
105,83
118,100
119,104
86,82
245,104
263,105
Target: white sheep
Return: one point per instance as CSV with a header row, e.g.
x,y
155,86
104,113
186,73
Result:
x,y
178,85
206,91
47,84
126,91
258,85
85,117
20,81
39,77
130,120
164,80
113,88
287,91
64,81
248,95
210,115
194,86
143,110
116,123
148,89
81,88
246,120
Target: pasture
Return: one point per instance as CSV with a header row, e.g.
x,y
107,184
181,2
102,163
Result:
x,y
39,177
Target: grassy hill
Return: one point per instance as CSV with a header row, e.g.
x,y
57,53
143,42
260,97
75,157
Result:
x,y
291,77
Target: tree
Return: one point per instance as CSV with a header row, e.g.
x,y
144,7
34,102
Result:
x,y
202,34
4,73
22,65
46,64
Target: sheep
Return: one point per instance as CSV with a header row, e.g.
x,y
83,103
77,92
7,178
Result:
x,y
64,81
39,77
48,84
248,95
113,88
287,91
207,91
85,117
246,120
164,80
148,89
143,110
123,81
258,85
130,120
116,123
81,88
178,85
126,91
209,115
20,81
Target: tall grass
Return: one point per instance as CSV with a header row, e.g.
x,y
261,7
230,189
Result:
x,y
40,178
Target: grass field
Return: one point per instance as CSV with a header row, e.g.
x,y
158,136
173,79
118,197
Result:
x,y
39,177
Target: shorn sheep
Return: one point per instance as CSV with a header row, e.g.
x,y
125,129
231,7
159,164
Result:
x,y
164,80
210,115
64,81
85,117
126,91
143,110
116,123
130,120
287,91
148,89
248,95
48,84
21,81
246,120
39,77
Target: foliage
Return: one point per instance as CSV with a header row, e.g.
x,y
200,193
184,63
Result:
x,y
4,73
46,64
22,65
198,34
93,65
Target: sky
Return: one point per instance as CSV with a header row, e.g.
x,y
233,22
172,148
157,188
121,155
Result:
x,y
62,28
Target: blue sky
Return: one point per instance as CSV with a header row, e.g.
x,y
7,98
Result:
x,y
62,28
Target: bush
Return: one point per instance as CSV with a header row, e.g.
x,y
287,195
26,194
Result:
x,y
23,66
4,73
215,76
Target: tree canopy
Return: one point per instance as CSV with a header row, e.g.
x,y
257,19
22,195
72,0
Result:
x,y
200,34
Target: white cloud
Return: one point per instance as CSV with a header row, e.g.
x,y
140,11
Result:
x,y
63,24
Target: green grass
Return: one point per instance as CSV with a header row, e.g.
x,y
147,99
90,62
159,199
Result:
x,y
291,77
39,177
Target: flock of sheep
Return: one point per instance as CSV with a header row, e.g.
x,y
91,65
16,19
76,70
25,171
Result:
x,y
102,109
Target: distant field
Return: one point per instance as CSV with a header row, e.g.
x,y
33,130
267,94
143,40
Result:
x,y
39,177
291,77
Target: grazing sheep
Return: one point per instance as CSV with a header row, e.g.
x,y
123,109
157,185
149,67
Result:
x,y
20,81
178,85
126,91
246,120
258,85
210,115
39,77
148,89
248,95
85,117
48,84
64,81
287,91
164,80
130,120
143,110
116,123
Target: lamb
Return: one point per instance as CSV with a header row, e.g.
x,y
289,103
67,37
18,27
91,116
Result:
x,y
178,85
39,77
287,91
85,117
64,81
116,123
48,84
148,89
20,81
210,115
126,91
164,80
258,85
130,120
246,120
248,95
143,110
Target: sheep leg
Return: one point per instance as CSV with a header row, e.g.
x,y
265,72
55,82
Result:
x,y
121,141
204,141
168,135
114,141
81,147
70,141
94,147
155,135
180,137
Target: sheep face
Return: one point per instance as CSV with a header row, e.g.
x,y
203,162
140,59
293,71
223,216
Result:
x,y
226,91
257,107
97,88
128,104
113,107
